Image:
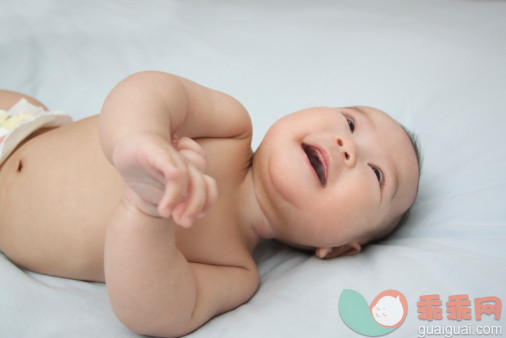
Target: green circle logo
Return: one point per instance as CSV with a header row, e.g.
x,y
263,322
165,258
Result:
x,y
386,312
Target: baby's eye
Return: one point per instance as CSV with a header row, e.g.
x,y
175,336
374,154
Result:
x,y
351,122
378,173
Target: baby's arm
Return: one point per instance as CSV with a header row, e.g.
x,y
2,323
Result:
x,y
161,103
152,288
143,112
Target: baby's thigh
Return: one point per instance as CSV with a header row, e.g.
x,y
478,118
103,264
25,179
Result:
x,y
9,98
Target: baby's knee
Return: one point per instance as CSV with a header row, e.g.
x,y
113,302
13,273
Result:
x,y
9,98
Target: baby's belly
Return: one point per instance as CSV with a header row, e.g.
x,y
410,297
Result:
x,y
57,192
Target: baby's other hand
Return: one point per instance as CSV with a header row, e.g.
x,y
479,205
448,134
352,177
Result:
x,y
165,179
191,150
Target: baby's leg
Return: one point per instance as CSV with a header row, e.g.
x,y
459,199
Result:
x,y
9,98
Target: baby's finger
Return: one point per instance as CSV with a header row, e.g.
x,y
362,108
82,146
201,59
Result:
x,y
192,151
196,197
161,163
176,183
196,159
186,143
175,193
211,196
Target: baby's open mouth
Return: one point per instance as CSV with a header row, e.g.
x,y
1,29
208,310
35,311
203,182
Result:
x,y
317,162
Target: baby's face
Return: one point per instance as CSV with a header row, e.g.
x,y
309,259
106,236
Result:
x,y
325,176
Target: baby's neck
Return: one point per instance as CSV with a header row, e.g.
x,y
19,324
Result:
x,y
253,217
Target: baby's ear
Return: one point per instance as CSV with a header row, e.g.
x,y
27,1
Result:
x,y
343,250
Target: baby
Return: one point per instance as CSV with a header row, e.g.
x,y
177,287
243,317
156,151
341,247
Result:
x,y
162,197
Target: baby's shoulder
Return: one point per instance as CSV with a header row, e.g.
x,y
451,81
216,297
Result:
x,y
213,114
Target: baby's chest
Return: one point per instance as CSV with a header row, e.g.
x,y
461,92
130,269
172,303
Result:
x,y
227,160
218,237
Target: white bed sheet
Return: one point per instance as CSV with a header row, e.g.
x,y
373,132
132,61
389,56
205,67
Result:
x,y
439,67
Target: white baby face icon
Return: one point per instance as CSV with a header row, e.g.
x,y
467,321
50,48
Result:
x,y
389,308
388,311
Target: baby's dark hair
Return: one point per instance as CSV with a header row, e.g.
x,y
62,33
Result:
x,y
385,230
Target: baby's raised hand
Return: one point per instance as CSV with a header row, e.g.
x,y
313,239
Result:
x,y
165,179
191,150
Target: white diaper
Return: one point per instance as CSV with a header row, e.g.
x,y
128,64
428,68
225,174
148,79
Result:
x,y
21,120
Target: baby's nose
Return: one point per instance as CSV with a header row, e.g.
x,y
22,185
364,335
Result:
x,y
348,149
